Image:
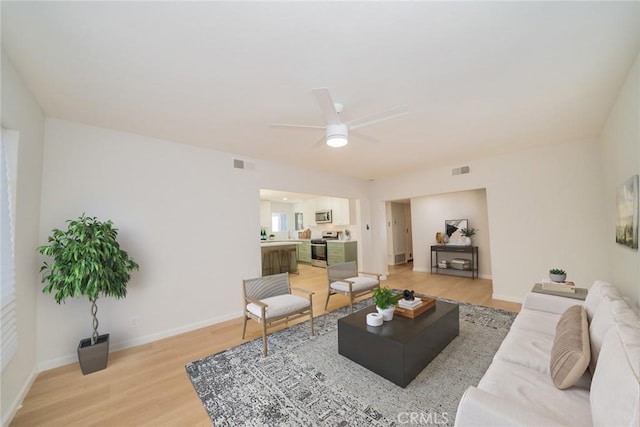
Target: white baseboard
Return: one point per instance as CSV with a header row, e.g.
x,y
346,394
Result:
x,y
57,362
10,412
428,270
508,298
115,346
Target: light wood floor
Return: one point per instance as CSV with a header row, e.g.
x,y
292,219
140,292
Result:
x,y
148,386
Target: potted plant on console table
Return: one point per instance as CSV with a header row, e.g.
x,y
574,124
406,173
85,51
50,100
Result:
x,y
468,233
87,261
385,302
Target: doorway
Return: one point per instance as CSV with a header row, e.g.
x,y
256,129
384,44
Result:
x,y
399,232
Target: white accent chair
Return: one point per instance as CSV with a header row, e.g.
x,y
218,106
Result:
x,y
345,279
268,300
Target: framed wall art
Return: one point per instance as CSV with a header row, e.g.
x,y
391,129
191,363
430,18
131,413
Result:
x,y
627,213
453,229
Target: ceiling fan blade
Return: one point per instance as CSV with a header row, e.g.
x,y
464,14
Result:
x,y
375,118
327,105
322,142
286,125
366,138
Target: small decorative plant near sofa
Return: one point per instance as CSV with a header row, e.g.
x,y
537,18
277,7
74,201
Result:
x,y
564,362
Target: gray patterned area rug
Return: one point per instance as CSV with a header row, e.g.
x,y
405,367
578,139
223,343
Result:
x,y
304,381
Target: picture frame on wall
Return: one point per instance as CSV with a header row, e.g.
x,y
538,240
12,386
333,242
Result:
x,y
453,228
627,213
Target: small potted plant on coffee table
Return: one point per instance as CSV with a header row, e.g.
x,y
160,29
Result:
x,y
385,301
557,275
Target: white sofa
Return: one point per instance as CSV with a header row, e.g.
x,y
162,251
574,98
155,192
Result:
x,y
518,389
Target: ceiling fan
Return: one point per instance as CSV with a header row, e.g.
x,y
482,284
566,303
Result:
x,y
337,133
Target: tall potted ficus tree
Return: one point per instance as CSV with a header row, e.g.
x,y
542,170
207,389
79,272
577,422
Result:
x,y
87,262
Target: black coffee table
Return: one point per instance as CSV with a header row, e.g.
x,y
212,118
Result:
x,y
401,348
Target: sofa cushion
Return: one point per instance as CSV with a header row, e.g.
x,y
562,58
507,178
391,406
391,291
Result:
x,y
538,321
597,293
279,305
359,284
544,303
536,390
571,352
600,324
531,348
615,390
527,348
634,308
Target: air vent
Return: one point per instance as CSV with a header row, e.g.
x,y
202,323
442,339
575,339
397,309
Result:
x,y
460,171
238,164
400,259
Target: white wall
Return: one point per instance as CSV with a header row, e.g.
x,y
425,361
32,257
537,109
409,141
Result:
x,y
185,215
21,112
190,220
544,209
429,214
621,160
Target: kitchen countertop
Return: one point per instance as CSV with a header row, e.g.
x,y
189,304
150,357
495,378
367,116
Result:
x,y
340,241
268,244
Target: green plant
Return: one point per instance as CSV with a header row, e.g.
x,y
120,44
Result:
x,y
557,271
384,298
468,232
87,261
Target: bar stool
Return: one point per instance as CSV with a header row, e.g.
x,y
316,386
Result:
x,y
270,258
285,262
293,258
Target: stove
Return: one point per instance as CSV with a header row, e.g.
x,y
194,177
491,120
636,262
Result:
x,y
319,248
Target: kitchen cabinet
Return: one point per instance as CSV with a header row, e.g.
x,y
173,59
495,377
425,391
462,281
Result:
x,y
324,203
343,211
265,215
341,251
304,252
309,212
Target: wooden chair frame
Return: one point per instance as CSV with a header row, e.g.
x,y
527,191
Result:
x,y
340,276
273,321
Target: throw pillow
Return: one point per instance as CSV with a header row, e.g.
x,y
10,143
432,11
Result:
x,y
571,350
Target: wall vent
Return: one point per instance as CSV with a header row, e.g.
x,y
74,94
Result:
x,y
460,171
238,164
400,258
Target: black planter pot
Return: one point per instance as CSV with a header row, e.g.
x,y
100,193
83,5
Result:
x,y
93,357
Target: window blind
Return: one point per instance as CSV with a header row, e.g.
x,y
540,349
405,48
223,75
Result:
x,y
8,330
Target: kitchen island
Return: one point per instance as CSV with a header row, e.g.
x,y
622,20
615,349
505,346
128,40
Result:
x,y
279,256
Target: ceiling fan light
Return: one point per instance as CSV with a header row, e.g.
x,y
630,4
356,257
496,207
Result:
x,y
337,141
337,135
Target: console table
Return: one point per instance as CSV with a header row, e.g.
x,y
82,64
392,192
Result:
x,y
579,293
465,251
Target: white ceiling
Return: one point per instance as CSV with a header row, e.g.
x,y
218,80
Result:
x,y
479,78
284,196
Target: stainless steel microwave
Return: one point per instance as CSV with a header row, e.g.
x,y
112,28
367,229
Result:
x,y
323,217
